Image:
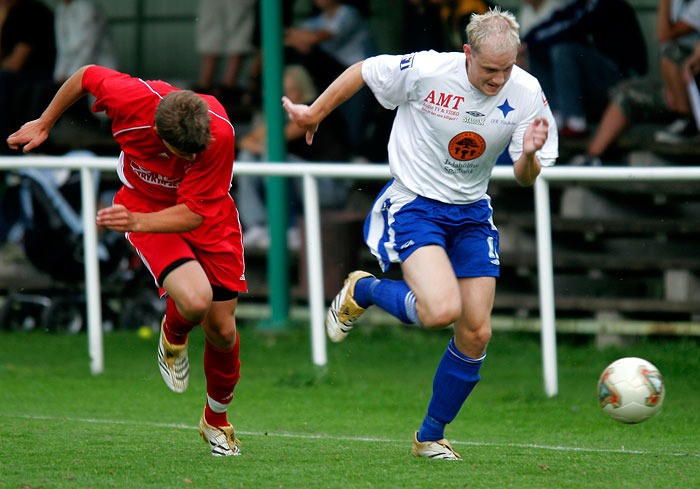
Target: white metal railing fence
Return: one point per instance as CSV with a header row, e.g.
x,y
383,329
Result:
x,y
309,172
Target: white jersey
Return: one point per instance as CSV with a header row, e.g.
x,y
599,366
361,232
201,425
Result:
x,y
447,135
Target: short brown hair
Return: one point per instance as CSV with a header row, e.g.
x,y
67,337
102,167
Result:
x,y
182,120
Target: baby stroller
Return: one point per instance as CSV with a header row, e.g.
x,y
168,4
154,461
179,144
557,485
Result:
x,y
52,239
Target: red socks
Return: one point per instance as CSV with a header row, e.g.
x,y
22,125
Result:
x,y
222,370
176,327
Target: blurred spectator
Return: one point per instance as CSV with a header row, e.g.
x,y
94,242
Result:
x,y
653,98
530,14
331,41
27,55
439,25
534,12
691,65
81,38
677,28
456,15
225,29
580,52
330,144
328,43
423,28
691,68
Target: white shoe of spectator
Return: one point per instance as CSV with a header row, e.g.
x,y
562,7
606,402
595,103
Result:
x,y
585,160
681,130
293,239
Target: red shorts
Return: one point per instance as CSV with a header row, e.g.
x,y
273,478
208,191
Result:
x,y
160,252
221,260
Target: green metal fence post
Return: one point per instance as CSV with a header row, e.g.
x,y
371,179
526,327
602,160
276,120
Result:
x,y
276,187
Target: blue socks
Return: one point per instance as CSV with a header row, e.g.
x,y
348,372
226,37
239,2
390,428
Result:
x,y
456,375
363,291
391,295
455,378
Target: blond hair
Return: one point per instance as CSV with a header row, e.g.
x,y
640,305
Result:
x,y
182,120
495,30
303,82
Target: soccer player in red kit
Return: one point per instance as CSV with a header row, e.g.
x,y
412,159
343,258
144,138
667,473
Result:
x,y
174,207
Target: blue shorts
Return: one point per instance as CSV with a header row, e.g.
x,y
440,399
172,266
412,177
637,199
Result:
x,y
400,222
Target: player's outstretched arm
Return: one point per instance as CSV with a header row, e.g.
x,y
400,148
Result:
x,y
35,132
309,117
527,167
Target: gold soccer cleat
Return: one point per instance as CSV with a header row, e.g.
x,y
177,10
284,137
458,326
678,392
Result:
x,y
173,363
344,311
221,439
441,449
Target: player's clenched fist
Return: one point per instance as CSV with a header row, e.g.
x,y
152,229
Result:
x,y
535,135
116,217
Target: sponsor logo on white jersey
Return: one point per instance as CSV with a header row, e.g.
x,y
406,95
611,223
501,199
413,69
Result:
x,y
443,105
474,117
446,100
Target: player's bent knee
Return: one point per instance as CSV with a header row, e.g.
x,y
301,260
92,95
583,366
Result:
x,y
439,318
483,336
228,337
195,305
221,335
477,337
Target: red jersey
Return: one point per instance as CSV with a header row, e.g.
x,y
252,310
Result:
x,y
153,177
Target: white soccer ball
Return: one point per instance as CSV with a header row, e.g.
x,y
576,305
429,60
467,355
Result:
x,y
631,390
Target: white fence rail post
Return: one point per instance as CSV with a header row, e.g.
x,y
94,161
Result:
x,y
545,277
92,271
314,266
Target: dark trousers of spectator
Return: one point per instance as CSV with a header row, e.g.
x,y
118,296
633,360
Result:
x,y
23,96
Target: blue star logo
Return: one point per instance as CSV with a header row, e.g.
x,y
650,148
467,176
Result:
x,y
505,108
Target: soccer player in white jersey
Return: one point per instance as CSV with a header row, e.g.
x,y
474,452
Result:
x,y
457,112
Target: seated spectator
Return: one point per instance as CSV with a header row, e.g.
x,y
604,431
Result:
x,y
27,55
580,52
439,25
330,144
691,70
677,28
456,15
82,38
532,13
423,27
691,65
225,29
331,41
328,43
653,98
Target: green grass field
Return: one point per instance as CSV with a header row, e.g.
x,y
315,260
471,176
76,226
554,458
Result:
x,y
351,427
